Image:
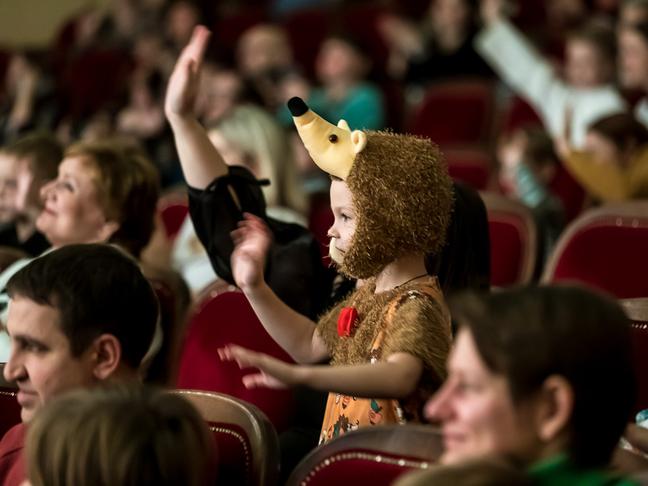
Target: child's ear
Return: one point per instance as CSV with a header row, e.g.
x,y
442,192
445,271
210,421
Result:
x,y
107,356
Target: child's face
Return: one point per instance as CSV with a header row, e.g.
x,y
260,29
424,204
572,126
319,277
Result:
x,y
338,60
344,222
584,65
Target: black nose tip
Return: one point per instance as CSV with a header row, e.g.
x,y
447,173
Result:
x,y
297,106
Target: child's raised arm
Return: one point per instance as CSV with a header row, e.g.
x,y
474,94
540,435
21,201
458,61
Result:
x,y
396,377
294,332
201,163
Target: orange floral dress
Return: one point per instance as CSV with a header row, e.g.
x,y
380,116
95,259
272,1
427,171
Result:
x,y
411,318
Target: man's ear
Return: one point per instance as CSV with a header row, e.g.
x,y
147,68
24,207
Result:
x,y
556,408
107,356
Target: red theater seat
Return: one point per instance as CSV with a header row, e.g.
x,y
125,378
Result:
x,y
637,312
513,240
9,408
456,113
472,167
225,318
605,248
246,443
173,210
371,455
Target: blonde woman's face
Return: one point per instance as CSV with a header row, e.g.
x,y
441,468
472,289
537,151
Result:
x,y
72,212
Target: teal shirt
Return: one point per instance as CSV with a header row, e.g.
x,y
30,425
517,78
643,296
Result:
x,y
363,108
558,471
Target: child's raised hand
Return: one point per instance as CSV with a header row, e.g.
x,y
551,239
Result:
x,y
183,83
273,373
252,240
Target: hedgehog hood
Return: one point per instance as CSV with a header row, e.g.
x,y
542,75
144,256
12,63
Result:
x,y
401,189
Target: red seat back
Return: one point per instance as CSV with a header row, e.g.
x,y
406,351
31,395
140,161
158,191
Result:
x,y
455,113
513,240
173,212
472,167
637,311
9,408
382,453
246,443
605,248
223,319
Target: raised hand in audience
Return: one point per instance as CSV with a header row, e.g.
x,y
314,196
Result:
x,y
201,163
252,240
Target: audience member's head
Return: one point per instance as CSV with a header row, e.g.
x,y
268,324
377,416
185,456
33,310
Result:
x,y
250,137
537,372
8,187
342,59
464,262
79,315
615,139
633,12
36,157
104,192
181,18
590,56
119,435
476,472
633,55
262,49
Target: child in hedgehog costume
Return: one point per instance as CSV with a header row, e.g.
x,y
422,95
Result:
x,y
391,198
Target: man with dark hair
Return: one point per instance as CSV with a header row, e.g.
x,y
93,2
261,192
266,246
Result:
x,y
78,316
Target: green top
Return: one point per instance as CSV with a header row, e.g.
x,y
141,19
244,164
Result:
x,y
558,471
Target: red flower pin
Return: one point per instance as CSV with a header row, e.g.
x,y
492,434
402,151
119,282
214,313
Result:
x,y
347,321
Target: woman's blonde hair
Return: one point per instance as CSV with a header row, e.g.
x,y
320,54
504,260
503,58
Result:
x,y
120,435
257,134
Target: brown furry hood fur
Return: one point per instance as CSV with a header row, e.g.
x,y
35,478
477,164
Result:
x,y
403,200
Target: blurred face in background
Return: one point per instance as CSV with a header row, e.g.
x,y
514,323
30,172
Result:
x,y
585,66
8,187
450,15
633,59
263,48
338,60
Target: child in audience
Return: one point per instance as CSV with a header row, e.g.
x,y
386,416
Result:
x,y
219,195
528,163
119,435
613,164
531,370
251,138
342,66
589,70
391,198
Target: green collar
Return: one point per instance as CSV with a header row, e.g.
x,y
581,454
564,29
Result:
x,y
559,471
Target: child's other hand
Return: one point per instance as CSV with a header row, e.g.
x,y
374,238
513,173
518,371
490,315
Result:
x,y
273,373
183,83
252,240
